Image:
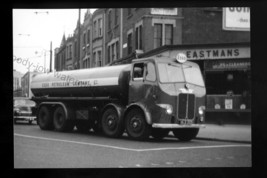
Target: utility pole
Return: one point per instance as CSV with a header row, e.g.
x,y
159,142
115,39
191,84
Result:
x,y
121,32
50,57
79,35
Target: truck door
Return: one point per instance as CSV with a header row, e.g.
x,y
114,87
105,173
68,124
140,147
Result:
x,y
143,84
136,89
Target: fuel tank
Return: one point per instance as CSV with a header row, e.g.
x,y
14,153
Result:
x,y
110,81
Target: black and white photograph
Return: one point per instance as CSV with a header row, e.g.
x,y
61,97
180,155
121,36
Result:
x,y
132,87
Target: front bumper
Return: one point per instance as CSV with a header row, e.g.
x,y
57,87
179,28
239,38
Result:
x,y
176,126
25,118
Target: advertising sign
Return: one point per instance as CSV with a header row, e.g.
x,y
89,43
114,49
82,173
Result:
x,y
164,11
236,18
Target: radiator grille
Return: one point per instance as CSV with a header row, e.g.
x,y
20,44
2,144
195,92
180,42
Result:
x,y
186,106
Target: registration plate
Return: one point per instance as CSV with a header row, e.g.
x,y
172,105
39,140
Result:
x,y
228,104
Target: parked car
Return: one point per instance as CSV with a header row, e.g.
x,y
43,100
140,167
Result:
x,y
24,110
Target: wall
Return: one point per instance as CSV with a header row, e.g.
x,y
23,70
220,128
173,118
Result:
x,y
203,26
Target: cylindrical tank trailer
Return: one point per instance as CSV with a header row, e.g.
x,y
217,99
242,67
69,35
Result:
x,y
109,81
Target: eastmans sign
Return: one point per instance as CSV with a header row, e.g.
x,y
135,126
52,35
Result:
x,y
212,53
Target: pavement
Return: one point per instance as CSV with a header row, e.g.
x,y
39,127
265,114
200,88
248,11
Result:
x,y
226,132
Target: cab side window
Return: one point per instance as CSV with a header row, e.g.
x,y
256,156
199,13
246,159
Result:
x,y
138,71
151,72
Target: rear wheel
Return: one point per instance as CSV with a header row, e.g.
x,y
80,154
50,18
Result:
x,y
159,134
186,134
44,118
111,123
61,122
136,125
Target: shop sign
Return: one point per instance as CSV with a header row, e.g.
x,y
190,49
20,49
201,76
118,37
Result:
x,y
224,65
164,11
236,18
215,53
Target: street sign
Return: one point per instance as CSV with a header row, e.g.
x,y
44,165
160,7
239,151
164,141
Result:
x,y
236,18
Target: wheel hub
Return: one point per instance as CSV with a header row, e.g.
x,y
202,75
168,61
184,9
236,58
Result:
x,y
136,124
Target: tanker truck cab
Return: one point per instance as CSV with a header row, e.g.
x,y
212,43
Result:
x,y
169,94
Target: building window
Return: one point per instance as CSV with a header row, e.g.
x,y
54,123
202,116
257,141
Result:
x,y
94,57
138,37
129,43
117,50
88,36
84,63
168,34
84,39
163,34
109,58
109,20
157,35
75,50
129,12
113,51
70,51
99,59
116,17
95,29
100,25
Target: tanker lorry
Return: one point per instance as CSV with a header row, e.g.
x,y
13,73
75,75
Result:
x,y
150,96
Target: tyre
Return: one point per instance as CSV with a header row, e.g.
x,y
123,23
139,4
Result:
x,y
186,134
111,123
82,126
60,121
44,118
136,125
159,134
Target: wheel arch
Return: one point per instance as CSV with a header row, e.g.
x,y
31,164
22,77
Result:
x,y
141,107
119,109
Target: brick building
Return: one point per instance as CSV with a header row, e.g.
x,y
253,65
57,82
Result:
x,y
111,36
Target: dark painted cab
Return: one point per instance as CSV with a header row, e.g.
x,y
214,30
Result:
x,y
171,92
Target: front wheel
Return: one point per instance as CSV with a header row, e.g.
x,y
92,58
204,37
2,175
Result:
x,y
136,125
186,134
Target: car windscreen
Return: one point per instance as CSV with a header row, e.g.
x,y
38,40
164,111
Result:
x,y
172,73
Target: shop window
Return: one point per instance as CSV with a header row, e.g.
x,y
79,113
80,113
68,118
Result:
x,y
228,82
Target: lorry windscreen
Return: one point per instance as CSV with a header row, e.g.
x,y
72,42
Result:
x,y
171,73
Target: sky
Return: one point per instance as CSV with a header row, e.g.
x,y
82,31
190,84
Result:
x,y
33,32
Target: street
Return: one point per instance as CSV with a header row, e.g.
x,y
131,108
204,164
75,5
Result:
x,y
36,148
